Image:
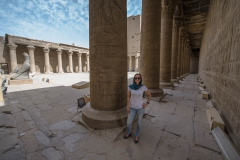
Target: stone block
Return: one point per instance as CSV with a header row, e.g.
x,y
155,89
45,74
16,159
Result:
x,y
81,85
202,85
209,104
43,79
202,89
20,81
214,119
87,98
205,95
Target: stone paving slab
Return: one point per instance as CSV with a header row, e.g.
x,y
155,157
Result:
x,y
45,125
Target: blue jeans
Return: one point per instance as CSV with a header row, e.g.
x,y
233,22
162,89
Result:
x,y
139,112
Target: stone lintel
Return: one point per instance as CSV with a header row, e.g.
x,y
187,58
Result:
x,y
20,81
104,119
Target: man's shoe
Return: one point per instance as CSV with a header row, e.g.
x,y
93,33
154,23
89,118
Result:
x,y
126,136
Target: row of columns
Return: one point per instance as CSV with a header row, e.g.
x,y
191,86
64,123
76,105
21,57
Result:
x,y
165,46
13,59
130,63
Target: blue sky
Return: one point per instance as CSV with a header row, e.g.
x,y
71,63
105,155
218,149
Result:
x,y
60,21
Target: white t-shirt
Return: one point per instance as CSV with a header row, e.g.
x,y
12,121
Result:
x,y
136,100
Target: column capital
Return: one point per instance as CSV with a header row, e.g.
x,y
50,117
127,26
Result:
x,y
87,54
70,53
30,48
59,51
130,57
12,46
137,55
167,6
46,50
177,21
79,54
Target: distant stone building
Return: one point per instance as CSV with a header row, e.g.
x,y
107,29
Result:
x,y
45,57
133,41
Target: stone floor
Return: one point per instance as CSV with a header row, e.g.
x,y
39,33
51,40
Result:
x,y
40,121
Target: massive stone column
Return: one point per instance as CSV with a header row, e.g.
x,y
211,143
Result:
x,y
59,52
79,62
150,45
46,58
130,63
180,48
32,59
13,56
175,38
88,63
70,53
182,55
166,44
136,62
108,65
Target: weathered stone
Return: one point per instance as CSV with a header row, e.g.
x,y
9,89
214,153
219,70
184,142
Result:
x,y
62,125
9,142
42,138
51,154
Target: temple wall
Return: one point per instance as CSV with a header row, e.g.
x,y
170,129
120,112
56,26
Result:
x,y
219,65
133,34
194,63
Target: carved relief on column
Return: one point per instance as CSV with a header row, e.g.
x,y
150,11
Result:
x,y
70,53
32,59
13,56
88,65
46,58
175,36
130,63
166,44
59,52
136,62
79,62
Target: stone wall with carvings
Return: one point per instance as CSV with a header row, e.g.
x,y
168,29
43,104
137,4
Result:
x,y
219,65
133,34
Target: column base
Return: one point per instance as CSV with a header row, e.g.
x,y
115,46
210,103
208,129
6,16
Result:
x,y
179,78
156,92
104,119
166,85
48,72
61,72
174,80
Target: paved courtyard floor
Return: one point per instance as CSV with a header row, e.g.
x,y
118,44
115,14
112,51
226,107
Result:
x,y
40,122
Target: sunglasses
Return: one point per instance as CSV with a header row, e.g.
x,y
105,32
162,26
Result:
x,y
137,78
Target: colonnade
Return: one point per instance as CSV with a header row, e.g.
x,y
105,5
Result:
x,y
13,59
136,60
165,49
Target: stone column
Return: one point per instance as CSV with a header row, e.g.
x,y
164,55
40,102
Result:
x,y
150,45
13,56
108,62
32,59
70,61
46,58
180,48
130,63
59,52
166,44
182,55
175,38
88,63
136,62
79,62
